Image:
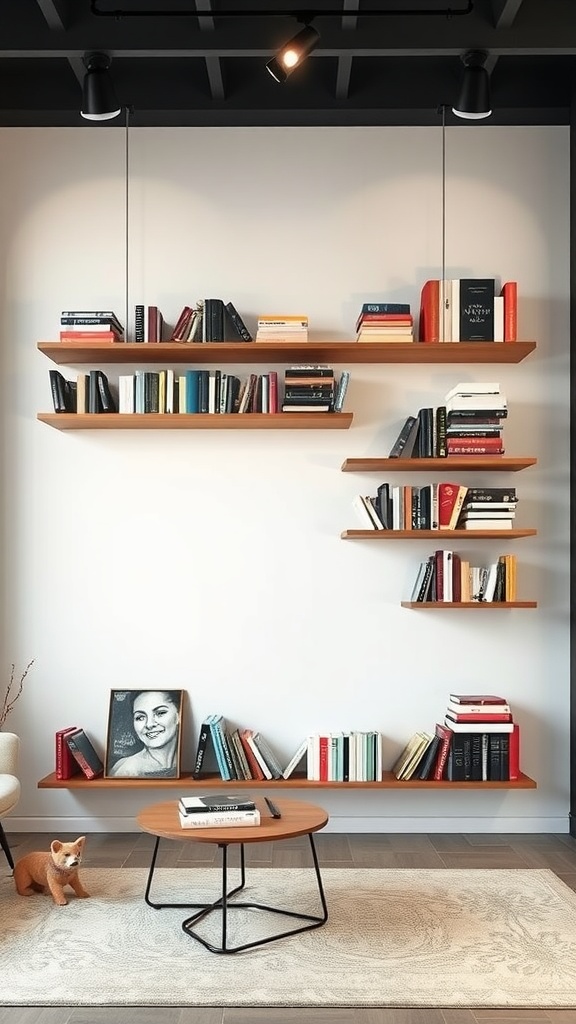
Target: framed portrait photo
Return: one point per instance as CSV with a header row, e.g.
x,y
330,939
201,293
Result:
x,y
144,734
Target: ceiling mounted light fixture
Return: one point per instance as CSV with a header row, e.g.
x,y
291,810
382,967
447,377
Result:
x,y
99,101
474,99
293,53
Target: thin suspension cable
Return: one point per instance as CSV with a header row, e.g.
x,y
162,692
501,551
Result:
x,y
443,191
126,220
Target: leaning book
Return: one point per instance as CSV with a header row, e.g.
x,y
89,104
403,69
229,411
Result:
x,y
220,803
228,819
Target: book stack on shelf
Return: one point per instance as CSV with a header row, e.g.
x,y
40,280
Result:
x,y
478,741
282,327
467,423
438,506
91,326
446,576
473,419
469,310
385,322
309,388
221,810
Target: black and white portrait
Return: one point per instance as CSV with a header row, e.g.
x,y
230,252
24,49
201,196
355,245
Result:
x,y
144,734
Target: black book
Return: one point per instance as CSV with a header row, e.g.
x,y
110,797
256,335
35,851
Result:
x,y
440,448
218,803
106,399
57,387
94,403
70,395
232,393
426,767
426,581
399,445
237,322
494,756
384,506
139,322
203,390
84,753
216,313
476,757
204,748
477,309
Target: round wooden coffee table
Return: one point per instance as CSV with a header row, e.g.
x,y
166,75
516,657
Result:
x,y
299,818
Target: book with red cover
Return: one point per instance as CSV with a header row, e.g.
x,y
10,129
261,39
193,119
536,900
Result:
x,y
66,764
253,763
97,336
477,698
514,754
450,500
445,735
478,718
510,293
429,325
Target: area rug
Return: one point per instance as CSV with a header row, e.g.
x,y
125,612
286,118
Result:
x,y
394,938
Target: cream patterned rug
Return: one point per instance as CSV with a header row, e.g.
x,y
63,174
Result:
x,y
394,938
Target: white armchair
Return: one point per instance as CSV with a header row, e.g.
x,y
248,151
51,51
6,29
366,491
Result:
x,y
9,784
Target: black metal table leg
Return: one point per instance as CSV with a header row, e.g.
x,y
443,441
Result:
x,y
161,906
222,904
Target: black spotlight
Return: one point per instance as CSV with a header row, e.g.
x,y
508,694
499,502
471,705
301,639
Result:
x,y
293,53
474,99
99,101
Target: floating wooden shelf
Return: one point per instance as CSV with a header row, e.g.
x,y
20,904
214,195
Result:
x,y
459,463
197,421
187,782
65,352
495,605
436,534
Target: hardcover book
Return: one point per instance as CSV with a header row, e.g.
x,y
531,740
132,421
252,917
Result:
x,y
84,753
228,819
216,803
66,764
477,309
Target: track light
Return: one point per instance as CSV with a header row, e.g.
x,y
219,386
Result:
x,y
99,101
474,99
293,53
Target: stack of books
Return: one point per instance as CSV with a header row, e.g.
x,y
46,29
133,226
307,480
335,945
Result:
x,y
222,810
90,325
309,388
477,742
474,412
282,327
385,321
488,508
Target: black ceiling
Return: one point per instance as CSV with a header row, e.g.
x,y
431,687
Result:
x,y
172,67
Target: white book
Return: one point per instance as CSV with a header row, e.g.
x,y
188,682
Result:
x,y
480,402
259,757
490,585
479,727
498,318
169,390
447,576
487,524
478,709
468,387
229,819
125,393
359,506
295,759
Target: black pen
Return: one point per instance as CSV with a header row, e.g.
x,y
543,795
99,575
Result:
x,y
274,810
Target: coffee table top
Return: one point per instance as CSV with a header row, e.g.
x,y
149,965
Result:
x,y
299,818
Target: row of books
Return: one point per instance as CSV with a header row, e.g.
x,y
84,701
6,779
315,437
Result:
x,y
195,391
385,322
208,320
76,753
477,742
446,576
469,422
239,753
468,309
437,506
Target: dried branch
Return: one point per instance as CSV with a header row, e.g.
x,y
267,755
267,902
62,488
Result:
x,y
10,697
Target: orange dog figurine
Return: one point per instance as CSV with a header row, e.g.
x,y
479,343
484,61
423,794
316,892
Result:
x,y
53,870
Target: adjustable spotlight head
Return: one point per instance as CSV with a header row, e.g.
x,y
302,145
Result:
x,y
293,53
474,99
99,101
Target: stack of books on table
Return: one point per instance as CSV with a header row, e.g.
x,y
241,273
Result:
x,y
473,419
385,321
282,327
90,325
222,810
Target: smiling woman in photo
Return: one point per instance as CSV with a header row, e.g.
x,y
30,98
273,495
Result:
x,y
148,720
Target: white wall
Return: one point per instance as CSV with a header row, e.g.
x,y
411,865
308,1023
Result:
x,y
212,561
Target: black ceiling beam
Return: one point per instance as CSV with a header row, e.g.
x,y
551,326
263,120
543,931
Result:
x,y
56,13
213,63
504,12
299,12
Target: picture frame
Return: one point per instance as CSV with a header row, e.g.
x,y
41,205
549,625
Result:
x,y
144,736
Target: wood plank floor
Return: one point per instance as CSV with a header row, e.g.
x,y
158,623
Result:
x,y
133,850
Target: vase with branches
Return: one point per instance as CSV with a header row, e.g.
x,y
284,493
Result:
x,y
13,691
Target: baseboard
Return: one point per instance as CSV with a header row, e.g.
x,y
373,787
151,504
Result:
x,y
367,825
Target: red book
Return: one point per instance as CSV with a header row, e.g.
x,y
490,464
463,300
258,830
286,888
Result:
x,y
514,754
101,336
273,391
323,759
510,293
456,577
66,764
445,735
477,698
450,501
429,326
438,575
469,449
253,763
473,442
